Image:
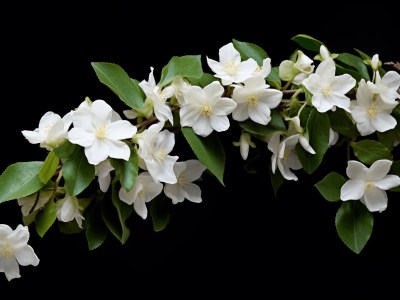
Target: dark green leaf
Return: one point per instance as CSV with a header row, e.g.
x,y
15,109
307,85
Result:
x,y
341,122
340,70
307,42
96,230
127,171
160,212
49,167
203,81
368,151
19,180
65,150
388,138
115,78
330,186
355,62
77,172
209,151
250,50
354,224
188,66
46,217
273,78
276,124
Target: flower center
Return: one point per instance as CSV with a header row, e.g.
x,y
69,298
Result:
x,y
369,185
252,100
372,111
327,90
207,110
230,67
163,96
6,251
160,154
101,132
182,180
48,127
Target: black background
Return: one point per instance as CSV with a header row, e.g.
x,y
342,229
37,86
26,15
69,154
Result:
x,y
241,239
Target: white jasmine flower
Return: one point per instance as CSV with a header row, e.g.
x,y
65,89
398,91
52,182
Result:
x,y
369,185
69,210
180,84
244,143
102,171
328,91
370,113
99,135
52,130
27,202
186,172
205,109
386,87
255,100
296,129
15,251
158,97
154,148
284,155
333,137
375,62
230,67
297,71
144,190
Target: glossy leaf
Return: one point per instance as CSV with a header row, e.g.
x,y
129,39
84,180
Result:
x,y
127,171
115,78
250,50
341,122
330,186
209,151
49,167
354,223
307,42
160,212
19,180
273,78
65,150
188,66
96,230
355,62
368,151
46,217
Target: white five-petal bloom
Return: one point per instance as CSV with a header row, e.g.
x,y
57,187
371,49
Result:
x,y
284,155
51,132
328,91
245,143
205,109
186,172
369,185
158,97
15,251
95,130
144,190
371,113
102,171
154,148
69,210
255,100
386,87
231,68
297,71
27,202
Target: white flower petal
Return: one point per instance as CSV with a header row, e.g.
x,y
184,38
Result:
x,y
26,256
120,130
383,121
343,83
10,268
193,192
379,169
388,182
202,127
140,208
352,189
356,170
321,103
375,199
219,123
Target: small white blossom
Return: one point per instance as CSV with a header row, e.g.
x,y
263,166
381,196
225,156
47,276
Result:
x,y
370,113
386,87
369,185
52,130
154,148
328,91
295,128
255,100
144,190
205,109
15,251
180,85
284,155
27,202
244,143
101,137
231,68
69,210
102,171
297,71
375,62
186,172
333,137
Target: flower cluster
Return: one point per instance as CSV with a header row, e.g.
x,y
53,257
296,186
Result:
x,y
101,166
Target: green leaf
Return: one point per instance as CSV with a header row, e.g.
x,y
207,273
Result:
x,y
209,151
276,180
49,167
203,81
115,78
65,150
188,66
355,62
307,42
330,186
341,122
368,151
362,54
160,212
127,171
276,124
250,50
96,230
77,172
387,138
46,217
273,78
340,70
19,180
70,227
318,130
115,214
354,223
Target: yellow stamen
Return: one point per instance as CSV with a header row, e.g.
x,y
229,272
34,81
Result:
x,y
369,185
231,67
182,180
101,132
252,100
207,110
160,154
6,251
327,90
372,111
